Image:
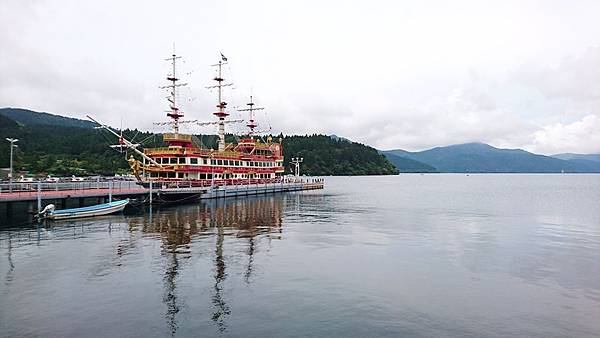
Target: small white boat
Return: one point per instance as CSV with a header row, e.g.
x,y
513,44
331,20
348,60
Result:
x,y
95,210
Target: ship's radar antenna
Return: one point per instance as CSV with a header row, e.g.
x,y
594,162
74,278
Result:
x,y
174,112
221,105
251,109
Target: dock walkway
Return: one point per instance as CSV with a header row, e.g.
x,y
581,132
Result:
x,y
40,191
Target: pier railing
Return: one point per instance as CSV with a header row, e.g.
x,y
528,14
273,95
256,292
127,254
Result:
x,y
44,189
18,188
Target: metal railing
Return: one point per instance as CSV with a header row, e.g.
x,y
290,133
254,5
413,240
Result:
x,y
21,188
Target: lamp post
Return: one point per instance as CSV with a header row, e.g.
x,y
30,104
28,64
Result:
x,y
10,174
296,161
212,171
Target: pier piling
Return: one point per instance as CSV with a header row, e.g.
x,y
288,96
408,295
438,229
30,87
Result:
x,y
39,197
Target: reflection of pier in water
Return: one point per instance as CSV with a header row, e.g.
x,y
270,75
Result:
x,y
240,218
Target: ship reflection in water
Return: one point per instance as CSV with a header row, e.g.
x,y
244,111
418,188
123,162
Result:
x,y
242,219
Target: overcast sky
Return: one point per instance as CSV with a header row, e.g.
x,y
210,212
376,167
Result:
x,y
390,74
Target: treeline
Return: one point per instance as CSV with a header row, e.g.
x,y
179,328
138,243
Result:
x,y
324,155
66,150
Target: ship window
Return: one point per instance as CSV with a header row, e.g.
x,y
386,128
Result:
x,y
209,176
225,162
182,160
173,160
219,162
171,175
193,160
237,163
202,176
179,175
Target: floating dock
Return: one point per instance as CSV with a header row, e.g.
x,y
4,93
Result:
x,y
76,193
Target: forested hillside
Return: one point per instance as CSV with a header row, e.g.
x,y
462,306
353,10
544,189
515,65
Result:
x,y
63,146
324,155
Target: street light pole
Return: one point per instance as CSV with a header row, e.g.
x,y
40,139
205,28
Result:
x,y
296,161
10,174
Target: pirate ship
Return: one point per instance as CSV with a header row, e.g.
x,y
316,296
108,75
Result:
x,y
251,160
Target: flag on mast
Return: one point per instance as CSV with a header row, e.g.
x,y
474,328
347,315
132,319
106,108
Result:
x,y
223,57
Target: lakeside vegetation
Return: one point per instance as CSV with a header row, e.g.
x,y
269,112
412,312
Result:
x,y
62,146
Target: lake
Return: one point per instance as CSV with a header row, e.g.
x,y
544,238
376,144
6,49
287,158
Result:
x,y
410,255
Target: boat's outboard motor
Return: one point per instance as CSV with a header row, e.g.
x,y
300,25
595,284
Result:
x,y
47,210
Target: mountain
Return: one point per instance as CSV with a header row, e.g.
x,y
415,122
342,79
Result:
x,y
578,157
483,158
407,165
27,117
62,146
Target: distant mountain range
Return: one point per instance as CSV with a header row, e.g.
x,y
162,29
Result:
x,y
578,157
483,158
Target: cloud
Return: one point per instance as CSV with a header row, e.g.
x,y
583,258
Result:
x,y
406,75
581,136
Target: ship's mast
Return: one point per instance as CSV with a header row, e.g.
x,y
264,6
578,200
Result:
x,y
174,113
251,109
221,113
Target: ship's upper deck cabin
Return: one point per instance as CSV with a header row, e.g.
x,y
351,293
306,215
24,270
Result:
x,y
246,148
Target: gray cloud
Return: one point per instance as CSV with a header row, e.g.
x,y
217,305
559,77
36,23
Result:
x,y
406,75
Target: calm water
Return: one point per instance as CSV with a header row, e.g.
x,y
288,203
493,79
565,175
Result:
x,y
412,255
